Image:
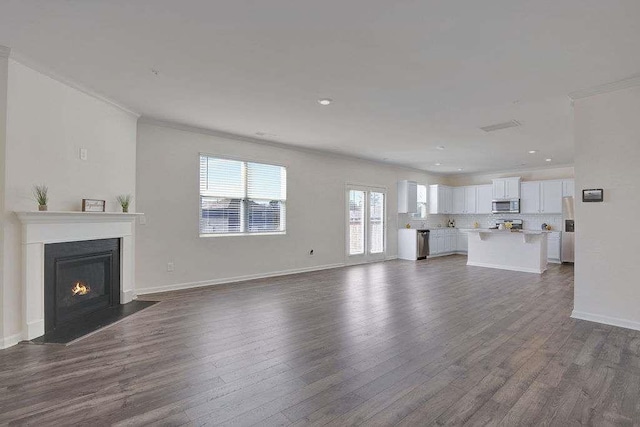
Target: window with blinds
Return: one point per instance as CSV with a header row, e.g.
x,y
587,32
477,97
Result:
x,y
239,197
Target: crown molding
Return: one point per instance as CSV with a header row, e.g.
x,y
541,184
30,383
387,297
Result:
x,y
281,145
513,171
5,52
36,66
628,82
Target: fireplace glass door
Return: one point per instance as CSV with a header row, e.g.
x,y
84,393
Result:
x,y
80,278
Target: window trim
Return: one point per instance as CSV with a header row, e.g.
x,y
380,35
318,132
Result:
x,y
244,233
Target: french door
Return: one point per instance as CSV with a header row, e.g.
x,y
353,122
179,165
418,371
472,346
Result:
x,y
366,225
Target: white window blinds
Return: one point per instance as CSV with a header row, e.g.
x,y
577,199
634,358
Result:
x,y
241,197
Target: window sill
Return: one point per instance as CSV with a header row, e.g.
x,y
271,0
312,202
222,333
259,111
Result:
x,y
273,233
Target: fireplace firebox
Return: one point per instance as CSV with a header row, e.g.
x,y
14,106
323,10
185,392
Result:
x,y
80,278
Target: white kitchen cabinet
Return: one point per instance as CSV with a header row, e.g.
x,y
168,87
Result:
x,y
543,197
464,200
458,200
407,196
530,197
551,197
553,247
484,198
568,188
506,188
451,241
440,244
436,242
470,199
462,244
440,199
443,241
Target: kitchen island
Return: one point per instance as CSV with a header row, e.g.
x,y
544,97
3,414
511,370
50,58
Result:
x,y
521,250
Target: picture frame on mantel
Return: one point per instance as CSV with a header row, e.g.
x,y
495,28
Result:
x,y
93,205
593,195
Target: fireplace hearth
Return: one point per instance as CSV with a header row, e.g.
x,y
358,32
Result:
x,y
80,278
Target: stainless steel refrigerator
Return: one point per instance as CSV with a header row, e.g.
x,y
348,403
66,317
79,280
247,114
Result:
x,y
567,253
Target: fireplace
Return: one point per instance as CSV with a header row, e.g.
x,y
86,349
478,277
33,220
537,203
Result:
x,y
80,278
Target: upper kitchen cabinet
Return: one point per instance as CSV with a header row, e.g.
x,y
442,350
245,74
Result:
x,y
530,197
568,188
470,199
464,200
440,199
484,196
551,197
407,196
506,188
541,197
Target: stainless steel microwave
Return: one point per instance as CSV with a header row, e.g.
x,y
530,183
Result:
x,y
506,206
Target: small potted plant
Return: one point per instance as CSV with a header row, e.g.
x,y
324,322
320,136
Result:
x,y
125,201
41,194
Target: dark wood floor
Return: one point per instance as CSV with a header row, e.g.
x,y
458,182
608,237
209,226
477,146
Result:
x,y
393,343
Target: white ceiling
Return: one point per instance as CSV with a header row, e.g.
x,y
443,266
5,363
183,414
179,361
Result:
x,y
405,76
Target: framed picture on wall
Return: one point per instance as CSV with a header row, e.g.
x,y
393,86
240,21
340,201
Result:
x,y
593,195
93,205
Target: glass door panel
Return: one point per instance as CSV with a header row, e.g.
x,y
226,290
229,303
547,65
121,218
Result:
x,y
366,228
356,222
376,222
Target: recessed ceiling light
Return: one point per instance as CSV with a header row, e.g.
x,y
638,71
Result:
x,y
533,151
460,169
547,160
440,147
438,164
325,101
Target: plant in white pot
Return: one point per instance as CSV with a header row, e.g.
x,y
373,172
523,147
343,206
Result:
x,y
124,200
42,197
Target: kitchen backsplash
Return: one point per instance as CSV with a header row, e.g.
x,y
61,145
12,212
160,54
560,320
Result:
x,y
531,222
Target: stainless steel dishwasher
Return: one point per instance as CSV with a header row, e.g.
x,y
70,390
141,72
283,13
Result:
x,y
423,244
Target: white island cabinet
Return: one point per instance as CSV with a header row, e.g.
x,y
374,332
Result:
x,y
518,251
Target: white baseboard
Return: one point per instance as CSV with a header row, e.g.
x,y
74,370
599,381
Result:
x,y
191,285
33,329
502,267
10,341
127,296
607,320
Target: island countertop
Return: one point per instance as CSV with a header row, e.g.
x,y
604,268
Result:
x,y
521,250
493,230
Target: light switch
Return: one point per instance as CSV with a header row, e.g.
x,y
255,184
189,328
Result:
x,y
83,154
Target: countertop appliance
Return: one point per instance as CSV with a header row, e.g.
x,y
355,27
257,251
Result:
x,y
516,224
505,206
423,244
567,251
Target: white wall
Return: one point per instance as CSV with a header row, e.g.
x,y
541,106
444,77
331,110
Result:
x,y
4,72
526,175
47,123
607,271
168,194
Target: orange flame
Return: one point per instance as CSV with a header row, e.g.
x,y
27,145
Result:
x,y
80,289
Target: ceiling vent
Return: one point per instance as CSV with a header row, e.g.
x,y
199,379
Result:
x,y
499,126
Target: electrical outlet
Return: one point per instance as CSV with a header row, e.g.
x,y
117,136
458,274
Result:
x,y
143,220
83,154
170,266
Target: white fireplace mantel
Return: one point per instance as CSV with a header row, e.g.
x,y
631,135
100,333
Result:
x,y
41,228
